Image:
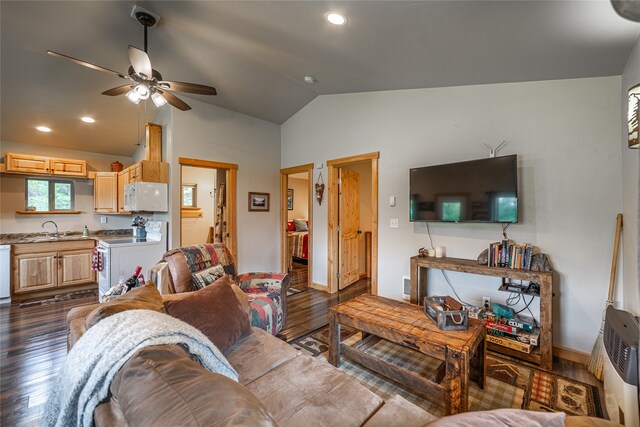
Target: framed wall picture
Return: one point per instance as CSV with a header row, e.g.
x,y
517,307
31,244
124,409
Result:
x,y
290,199
259,202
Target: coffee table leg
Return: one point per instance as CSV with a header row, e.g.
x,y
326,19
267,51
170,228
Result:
x,y
457,376
334,339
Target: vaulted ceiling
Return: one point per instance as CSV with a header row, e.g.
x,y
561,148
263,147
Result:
x,y
256,53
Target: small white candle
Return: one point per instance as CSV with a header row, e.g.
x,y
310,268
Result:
x,y
439,251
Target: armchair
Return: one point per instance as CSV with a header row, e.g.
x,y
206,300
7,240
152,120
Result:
x,y
266,292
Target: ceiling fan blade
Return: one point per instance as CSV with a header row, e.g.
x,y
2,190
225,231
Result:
x,y
87,64
120,90
189,87
140,62
174,100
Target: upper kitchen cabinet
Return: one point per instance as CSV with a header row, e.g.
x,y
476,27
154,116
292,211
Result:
x,y
40,165
149,171
24,163
68,167
105,192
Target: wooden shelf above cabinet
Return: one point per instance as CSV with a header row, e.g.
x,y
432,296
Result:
x,y
48,212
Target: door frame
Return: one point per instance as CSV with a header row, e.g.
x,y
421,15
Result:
x,y
332,218
284,186
231,171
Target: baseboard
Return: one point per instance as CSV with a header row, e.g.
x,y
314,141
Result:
x,y
570,354
318,286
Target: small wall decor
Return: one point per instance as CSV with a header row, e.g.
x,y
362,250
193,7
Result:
x,y
319,189
634,117
290,199
259,202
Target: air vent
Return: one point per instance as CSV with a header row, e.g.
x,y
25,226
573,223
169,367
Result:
x,y
621,333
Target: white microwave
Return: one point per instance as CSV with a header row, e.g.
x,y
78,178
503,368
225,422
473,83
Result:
x,y
145,197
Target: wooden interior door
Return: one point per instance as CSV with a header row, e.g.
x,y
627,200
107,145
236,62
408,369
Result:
x,y
349,227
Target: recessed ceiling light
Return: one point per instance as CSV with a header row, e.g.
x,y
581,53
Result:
x,y
335,18
310,79
88,119
43,129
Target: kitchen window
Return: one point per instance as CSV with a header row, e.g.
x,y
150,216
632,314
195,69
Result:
x,y
49,195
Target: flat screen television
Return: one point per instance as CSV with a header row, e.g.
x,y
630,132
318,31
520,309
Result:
x,y
483,190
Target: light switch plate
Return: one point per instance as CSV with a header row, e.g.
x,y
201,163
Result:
x,y
103,220
394,223
392,201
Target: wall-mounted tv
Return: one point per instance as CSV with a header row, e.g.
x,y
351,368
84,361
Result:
x,y
483,190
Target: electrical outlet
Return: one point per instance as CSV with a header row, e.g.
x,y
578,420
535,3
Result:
x,y
486,302
103,220
393,223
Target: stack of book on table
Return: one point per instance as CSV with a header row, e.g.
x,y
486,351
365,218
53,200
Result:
x,y
519,333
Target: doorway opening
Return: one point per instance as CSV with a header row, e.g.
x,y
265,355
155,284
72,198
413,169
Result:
x,y
208,203
296,225
353,221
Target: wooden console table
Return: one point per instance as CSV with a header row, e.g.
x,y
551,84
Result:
x,y
542,355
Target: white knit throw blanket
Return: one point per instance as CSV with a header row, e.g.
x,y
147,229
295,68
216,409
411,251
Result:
x,y
91,365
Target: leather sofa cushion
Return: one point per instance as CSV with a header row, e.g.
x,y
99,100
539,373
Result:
x,y
398,408
306,391
162,386
257,354
215,311
145,297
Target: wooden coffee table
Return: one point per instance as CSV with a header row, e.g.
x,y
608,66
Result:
x,y
462,352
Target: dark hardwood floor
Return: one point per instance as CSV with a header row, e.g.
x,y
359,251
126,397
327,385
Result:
x,y
33,347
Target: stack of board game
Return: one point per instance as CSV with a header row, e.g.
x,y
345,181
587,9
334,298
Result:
x,y
509,254
519,333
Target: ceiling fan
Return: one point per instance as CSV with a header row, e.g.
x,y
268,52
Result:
x,y
144,81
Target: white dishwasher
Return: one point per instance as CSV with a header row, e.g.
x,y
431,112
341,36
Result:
x,y
5,274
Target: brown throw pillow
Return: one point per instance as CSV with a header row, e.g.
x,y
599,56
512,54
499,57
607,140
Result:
x,y
145,297
215,311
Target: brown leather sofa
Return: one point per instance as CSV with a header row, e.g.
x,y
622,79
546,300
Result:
x,y
162,386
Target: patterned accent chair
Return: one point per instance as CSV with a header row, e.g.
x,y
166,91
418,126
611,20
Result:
x,y
267,292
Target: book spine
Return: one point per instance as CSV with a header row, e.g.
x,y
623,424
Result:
x,y
522,337
520,325
501,327
514,345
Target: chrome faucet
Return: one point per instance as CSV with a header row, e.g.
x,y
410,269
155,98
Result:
x,y
55,225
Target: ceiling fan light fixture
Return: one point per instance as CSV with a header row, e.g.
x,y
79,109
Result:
x,y
158,99
133,96
142,91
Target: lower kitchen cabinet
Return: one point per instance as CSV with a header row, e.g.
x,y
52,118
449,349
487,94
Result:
x,y
46,267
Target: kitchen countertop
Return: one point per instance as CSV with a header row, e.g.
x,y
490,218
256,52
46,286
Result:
x,y
19,238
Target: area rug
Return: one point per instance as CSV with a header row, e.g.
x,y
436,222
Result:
x,y
508,385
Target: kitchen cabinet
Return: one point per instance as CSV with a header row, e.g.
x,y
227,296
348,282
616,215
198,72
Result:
x,y
149,171
40,165
68,167
48,267
123,179
105,192
23,163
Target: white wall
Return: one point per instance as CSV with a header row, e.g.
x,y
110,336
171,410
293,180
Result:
x,y
211,133
566,134
12,188
630,189
195,230
300,189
